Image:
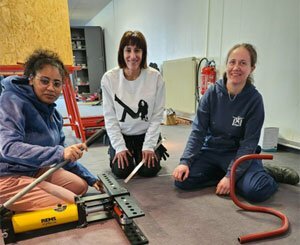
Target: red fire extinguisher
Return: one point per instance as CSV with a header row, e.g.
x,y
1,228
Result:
x,y
207,75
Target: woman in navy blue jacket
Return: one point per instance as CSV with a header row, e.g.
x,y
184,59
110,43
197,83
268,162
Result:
x,y
31,138
227,126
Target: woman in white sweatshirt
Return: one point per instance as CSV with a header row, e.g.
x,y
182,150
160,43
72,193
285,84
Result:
x,y
133,105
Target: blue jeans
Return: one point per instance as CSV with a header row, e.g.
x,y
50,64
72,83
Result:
x,y
210,167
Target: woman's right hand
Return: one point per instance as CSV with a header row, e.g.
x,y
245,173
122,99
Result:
x,y
122,158
74,152
181,172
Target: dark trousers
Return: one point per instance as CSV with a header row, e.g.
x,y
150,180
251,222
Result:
x,y
134,144
209,168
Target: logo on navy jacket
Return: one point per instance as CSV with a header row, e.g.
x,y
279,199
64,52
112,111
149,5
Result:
x,y
142,110
237,121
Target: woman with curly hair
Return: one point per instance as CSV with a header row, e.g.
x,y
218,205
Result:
x,y
31,138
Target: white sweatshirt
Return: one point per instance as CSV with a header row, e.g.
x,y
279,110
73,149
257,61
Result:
x,y
133,107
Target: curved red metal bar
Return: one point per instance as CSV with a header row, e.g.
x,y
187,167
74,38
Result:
x,y
262,235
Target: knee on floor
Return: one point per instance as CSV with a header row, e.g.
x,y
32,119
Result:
x,y
149,172
255,194
121,174
182,185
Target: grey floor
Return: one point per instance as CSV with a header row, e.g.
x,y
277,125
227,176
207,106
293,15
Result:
x,y
176,217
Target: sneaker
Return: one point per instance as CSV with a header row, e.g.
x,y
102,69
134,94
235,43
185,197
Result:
x,y
282,174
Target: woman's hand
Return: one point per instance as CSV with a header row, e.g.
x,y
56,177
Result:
x,y
223,187
74,152
98,186
149,158
181,172
122,158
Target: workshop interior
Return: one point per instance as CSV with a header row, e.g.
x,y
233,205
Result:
x,y
187,43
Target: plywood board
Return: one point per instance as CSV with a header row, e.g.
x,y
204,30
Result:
x,y
29,24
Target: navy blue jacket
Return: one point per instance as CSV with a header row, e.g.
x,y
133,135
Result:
x,y
226,124
31,135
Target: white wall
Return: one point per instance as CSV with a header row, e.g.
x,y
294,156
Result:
x,y
171,30
177,29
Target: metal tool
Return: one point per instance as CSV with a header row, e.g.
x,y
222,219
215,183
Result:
x,y
114,203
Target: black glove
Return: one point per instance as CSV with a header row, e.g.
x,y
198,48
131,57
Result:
x,y
162,152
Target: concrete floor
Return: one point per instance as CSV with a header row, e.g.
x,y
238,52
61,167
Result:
x,y
176,217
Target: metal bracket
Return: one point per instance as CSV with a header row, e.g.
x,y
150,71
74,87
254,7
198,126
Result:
x,y
134,234
112,186
129,206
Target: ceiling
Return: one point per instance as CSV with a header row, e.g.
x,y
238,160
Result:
x,y
82,11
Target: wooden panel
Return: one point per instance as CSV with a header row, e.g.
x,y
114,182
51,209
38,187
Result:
x,y
180,76
30,24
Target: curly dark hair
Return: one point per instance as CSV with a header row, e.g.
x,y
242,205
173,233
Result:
x,y
41,57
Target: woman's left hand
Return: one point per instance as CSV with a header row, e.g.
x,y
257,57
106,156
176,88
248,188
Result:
x,y
149,158
223,187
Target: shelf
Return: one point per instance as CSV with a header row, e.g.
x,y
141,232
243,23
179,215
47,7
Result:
x,y
83,88
88,53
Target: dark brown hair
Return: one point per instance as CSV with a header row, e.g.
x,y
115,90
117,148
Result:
x,y
132,38
253,57
41,57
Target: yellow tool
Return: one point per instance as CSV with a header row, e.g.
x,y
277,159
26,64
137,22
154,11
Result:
x,y
29,221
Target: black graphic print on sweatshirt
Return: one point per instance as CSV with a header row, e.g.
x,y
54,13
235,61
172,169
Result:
x,y
142,110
